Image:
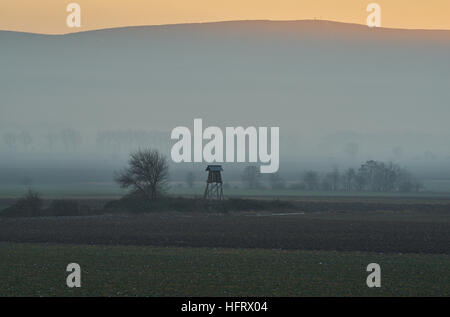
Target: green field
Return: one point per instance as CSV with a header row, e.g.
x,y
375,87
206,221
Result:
x,y
39,270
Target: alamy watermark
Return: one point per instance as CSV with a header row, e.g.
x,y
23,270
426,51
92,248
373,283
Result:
x,y
235,141
374,18
74,278
74,18
374,278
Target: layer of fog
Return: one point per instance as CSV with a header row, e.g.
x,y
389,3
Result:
x,y
86,100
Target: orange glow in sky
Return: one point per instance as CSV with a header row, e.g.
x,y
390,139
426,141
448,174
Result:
x,y
49,16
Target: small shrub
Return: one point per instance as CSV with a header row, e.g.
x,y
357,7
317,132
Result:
x,y
28,206
136,204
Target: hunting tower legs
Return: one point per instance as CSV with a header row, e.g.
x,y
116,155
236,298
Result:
x,y
214,190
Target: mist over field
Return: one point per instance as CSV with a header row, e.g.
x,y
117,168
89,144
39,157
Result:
x,y
73,106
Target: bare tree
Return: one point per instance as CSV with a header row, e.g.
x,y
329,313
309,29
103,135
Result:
x,y
29,205
349,180
385,177
147,174
311,180
333,179
276,182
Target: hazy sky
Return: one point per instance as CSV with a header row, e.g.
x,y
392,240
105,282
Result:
x,y
324,84
49,16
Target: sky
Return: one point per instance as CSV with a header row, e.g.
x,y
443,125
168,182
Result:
x,y
49,16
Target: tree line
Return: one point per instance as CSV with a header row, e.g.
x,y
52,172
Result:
x,y
371,176
71,140
66,139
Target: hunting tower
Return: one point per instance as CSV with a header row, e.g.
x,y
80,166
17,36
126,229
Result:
x,y
213,188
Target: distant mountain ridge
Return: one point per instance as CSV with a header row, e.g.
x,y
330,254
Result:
x,y
274,25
